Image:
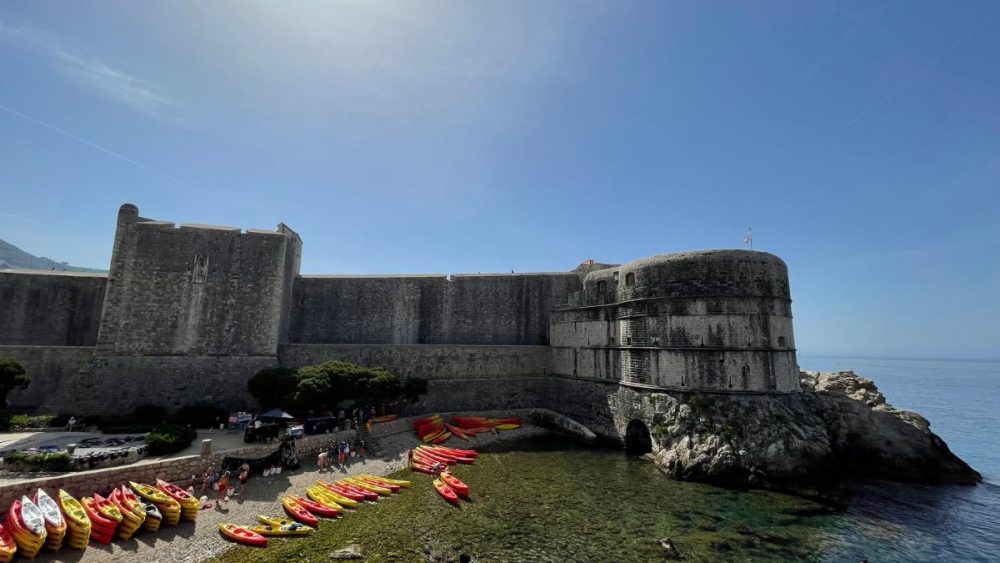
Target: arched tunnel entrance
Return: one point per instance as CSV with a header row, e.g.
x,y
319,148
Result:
x,y
637,440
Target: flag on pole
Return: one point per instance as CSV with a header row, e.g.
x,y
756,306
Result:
x,y
748,239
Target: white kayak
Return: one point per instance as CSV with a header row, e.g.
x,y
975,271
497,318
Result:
x,y
50,510
32,517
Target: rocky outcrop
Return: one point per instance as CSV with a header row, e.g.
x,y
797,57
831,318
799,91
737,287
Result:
x,y
837,431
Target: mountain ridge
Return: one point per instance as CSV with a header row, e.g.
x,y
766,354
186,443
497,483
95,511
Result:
x,y
13,258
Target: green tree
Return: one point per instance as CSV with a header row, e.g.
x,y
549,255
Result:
x,y
272,387
12,376
413,388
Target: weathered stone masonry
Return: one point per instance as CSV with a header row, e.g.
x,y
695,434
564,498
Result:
x,y
189,313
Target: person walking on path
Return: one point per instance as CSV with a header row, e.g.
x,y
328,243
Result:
x,y
244,474
340,454
360,446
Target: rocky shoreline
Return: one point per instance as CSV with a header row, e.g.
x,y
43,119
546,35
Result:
x,y
817,443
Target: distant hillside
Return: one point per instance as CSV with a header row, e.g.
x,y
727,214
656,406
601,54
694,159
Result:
x,y
12,257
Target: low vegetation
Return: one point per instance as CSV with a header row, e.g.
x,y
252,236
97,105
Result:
x,y
169,438
12,376
26,461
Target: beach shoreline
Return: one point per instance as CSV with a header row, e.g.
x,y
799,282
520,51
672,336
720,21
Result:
x,y
200,540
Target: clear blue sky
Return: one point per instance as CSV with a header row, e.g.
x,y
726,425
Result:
x,y
860,140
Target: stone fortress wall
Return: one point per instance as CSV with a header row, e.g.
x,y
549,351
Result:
x,y
189,313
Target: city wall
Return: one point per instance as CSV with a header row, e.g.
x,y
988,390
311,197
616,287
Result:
x,y
495,309
40,308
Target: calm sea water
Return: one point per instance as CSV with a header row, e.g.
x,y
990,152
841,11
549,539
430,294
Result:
x,y
903,523
549,499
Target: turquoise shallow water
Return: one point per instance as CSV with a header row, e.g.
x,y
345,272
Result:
x,y
550,499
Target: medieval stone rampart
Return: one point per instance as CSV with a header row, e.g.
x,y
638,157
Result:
x,y
187,314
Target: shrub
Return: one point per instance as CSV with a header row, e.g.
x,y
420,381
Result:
x,y
26,461
22,421
169,439
143,419
12,376
201,415
272,386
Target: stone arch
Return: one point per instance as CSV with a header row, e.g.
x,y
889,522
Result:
x,y
637,438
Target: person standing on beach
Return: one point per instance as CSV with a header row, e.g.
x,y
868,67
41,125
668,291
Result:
x,y
223,484
244,475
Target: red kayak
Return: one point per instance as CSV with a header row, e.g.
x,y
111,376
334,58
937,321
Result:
x,y
380,483
179,494
446,456
445,491
341,491
456,485
429,459
299,512
457,451
316,508
424,468
426,419
242,535
365,493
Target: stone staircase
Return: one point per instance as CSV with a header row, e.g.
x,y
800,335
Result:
x,y
371,444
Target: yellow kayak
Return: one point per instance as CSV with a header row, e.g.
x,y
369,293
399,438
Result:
x,y
509,426
318,494
368,486
337,497
153,494
293,529
400,482
73,510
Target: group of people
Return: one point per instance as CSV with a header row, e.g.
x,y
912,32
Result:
x,y
343,453
219,480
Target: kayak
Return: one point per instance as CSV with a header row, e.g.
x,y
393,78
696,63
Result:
x,y
299,512
508,426
8,547
55,524
460,488
131,520
394,488
294,529
426,419
427,438
344,501
445,491
101,527
27,526
368,495
277,520
423,468
77,521
386,418
401,482
107,508
153,517
457,431
426,459
169,508
189,505
323,496
369,486
317,508
73,510
441,438
341,495
242,535
456,451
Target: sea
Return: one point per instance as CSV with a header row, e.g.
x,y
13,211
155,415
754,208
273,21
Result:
x,y
961,399
552,499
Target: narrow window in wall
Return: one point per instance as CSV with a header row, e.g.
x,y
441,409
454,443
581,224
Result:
x,y
200,271
629,279
602,287
781,341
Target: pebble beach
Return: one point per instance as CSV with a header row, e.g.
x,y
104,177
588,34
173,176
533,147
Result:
x,y
200,540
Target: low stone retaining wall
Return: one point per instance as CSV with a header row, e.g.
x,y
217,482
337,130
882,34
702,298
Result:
x,y
175,470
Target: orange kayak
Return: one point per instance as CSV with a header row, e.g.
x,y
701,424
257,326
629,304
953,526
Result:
x,y
456,485
299,512
242,535
445,491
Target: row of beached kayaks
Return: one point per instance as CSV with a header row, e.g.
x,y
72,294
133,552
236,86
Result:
x,y
434,430
434,460
42,522
323,500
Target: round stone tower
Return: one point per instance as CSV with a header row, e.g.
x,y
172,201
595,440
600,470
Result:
x,y
716,320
